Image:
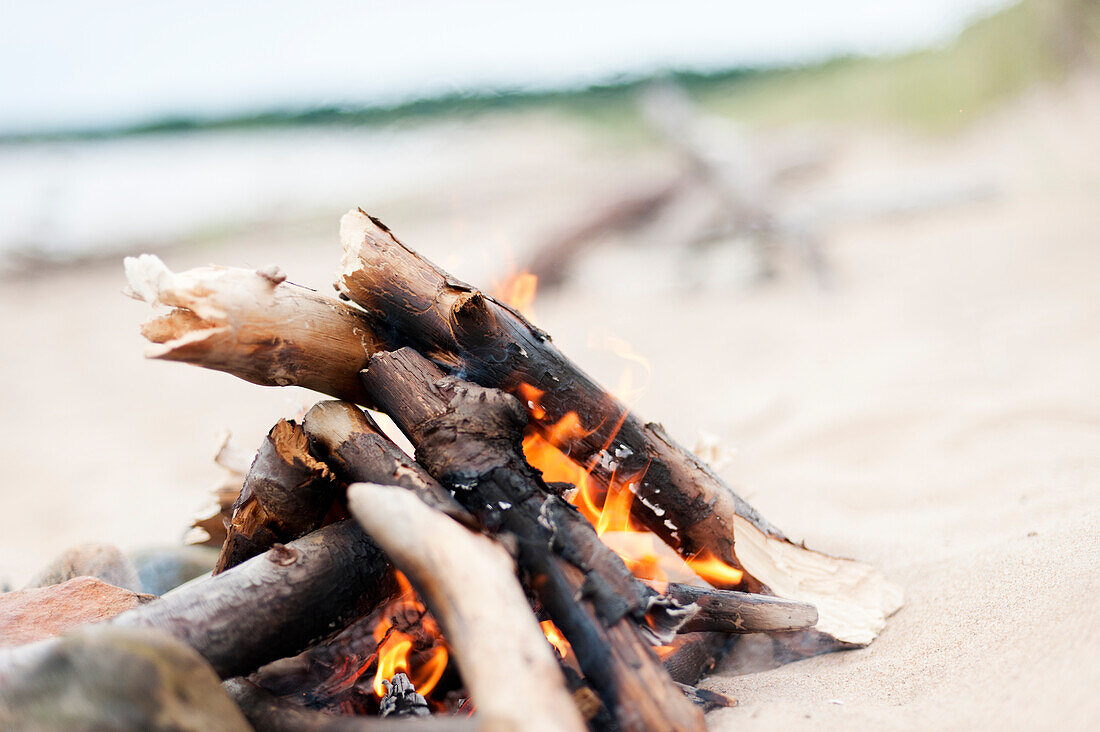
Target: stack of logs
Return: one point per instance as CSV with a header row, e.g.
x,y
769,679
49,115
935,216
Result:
x,y
333,515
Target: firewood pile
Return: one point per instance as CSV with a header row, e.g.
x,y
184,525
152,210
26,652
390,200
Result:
x,y
546,560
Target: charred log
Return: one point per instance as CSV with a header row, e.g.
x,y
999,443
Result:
x,y
409,301
691,656
355,449
469,439
285,496
468,582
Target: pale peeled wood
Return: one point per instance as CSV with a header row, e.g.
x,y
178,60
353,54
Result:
x,y
253,324
469,584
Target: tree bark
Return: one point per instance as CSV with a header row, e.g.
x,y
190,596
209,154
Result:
x,y
468,583
411,302
285,496
357,451
469,439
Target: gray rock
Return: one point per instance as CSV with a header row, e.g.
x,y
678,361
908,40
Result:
x,y
103,677
166,568
102,561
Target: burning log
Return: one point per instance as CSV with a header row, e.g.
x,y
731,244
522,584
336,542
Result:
x,y
285,496
276,604
409,301
468,582
741,612
253,324
469,438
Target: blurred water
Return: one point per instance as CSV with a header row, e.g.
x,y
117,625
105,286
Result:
x,y
72,199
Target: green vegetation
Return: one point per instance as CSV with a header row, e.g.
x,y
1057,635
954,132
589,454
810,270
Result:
x,y
934,89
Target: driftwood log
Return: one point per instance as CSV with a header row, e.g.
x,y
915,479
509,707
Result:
x,y
554,257
469,438
253,324
740,612
285,496
468,582
411,302
276,604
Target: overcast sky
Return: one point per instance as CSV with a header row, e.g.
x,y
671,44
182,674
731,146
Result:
x,y
81,63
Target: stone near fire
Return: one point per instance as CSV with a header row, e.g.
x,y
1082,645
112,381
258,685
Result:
x,y
165,568
43,612
103,561
116,678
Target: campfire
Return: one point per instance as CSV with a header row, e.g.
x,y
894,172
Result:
x,y
545,559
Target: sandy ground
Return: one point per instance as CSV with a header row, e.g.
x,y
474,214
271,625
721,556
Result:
x,y
936,412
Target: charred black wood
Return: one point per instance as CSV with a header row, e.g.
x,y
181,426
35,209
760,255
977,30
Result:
x,y
469,439
286,494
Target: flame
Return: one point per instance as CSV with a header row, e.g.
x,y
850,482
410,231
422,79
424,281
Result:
x,y
518,291
395,647
714,570
557,640
605,503
392,658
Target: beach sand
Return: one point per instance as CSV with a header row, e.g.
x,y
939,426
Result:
x,y
935,412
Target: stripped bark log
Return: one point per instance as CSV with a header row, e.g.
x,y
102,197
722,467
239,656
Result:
x,y
285,496
741,612
469,438
253,324
409,301
468,582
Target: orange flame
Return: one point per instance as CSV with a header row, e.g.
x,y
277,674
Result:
x,y
714,570
557,640
605,503
518,291
395,647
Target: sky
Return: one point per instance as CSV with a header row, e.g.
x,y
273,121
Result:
x,y
78,64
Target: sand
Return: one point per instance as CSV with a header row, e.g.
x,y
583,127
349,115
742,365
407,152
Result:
x,y
936,412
